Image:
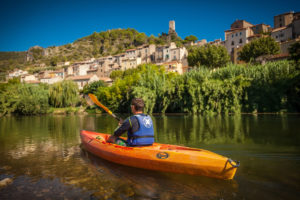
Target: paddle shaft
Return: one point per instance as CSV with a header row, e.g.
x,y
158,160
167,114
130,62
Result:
x,y
95,100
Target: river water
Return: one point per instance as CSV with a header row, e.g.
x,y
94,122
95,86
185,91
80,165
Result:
x,y
42,155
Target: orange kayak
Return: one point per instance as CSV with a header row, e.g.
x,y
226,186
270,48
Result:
x,y
161,157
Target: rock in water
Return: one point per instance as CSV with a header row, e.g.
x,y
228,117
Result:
x,y
5,182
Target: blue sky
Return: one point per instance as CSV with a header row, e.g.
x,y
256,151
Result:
x,y
47,23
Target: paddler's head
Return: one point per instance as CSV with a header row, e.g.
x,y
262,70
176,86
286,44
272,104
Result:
x,y
137,106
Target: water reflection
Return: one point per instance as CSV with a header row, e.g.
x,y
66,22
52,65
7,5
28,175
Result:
x,y
43,156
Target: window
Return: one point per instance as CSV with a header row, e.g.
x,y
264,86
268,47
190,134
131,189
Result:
x,y
236,34
232,43
174,57
232,35
241,41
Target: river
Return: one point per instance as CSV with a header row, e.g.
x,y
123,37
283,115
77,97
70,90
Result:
x,y
42,155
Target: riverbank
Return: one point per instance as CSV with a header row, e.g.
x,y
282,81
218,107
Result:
x,y
270,88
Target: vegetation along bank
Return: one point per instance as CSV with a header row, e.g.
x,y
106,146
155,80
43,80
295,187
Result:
x,y
251,88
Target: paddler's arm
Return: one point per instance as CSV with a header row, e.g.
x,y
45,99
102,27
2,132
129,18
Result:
x,y
124,127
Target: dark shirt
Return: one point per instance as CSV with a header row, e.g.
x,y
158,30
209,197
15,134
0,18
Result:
x,y
127,126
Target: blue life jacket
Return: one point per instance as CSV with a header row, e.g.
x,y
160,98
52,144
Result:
x,y
145,135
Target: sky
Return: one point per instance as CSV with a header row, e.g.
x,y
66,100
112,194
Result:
x,y
26,23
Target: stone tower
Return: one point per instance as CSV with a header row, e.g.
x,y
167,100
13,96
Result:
x,y
172,33
172,27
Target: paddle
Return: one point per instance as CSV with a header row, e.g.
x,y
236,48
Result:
x,y
95,100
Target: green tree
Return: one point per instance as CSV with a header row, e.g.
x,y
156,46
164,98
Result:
x,y
63,94
53,61
140,39
190,38
211,56
93,87
116,74
151,39
24,99
259,47
33,99
294,51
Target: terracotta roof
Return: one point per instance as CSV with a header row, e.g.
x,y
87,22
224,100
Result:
x,y
262,24
92,70
172,62
31,81
84,77
58,71
256,35
279,29
105,79
282,55
291,12
142,46
130,49
235,29
120,54
47,77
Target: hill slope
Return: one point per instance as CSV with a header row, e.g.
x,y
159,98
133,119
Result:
x,y
105,43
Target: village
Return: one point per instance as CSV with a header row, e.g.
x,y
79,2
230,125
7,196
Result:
x,y
286,31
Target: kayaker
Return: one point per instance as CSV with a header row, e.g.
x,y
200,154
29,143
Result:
x,y
139,127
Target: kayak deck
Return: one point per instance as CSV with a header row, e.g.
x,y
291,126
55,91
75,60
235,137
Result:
x,y
161,157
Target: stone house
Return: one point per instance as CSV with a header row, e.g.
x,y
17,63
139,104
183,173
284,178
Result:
x,y
60,73
235,38
119,58
178,54
284,46
50,80
261,28
283,20
242,32
28,78
79,68
130,63
173,66
16,73
81,81
146,53
282,34
130,53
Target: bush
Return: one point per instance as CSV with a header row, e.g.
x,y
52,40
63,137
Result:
x,y
93,87
294,51
232,89
24,99
259,47
63,94
211,56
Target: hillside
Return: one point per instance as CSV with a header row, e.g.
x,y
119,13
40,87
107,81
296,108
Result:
x,y
105,43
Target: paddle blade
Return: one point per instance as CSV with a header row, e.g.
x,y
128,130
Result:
x,y
95,100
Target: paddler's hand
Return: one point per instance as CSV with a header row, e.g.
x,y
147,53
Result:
x,y
111,139
89,102
120,122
